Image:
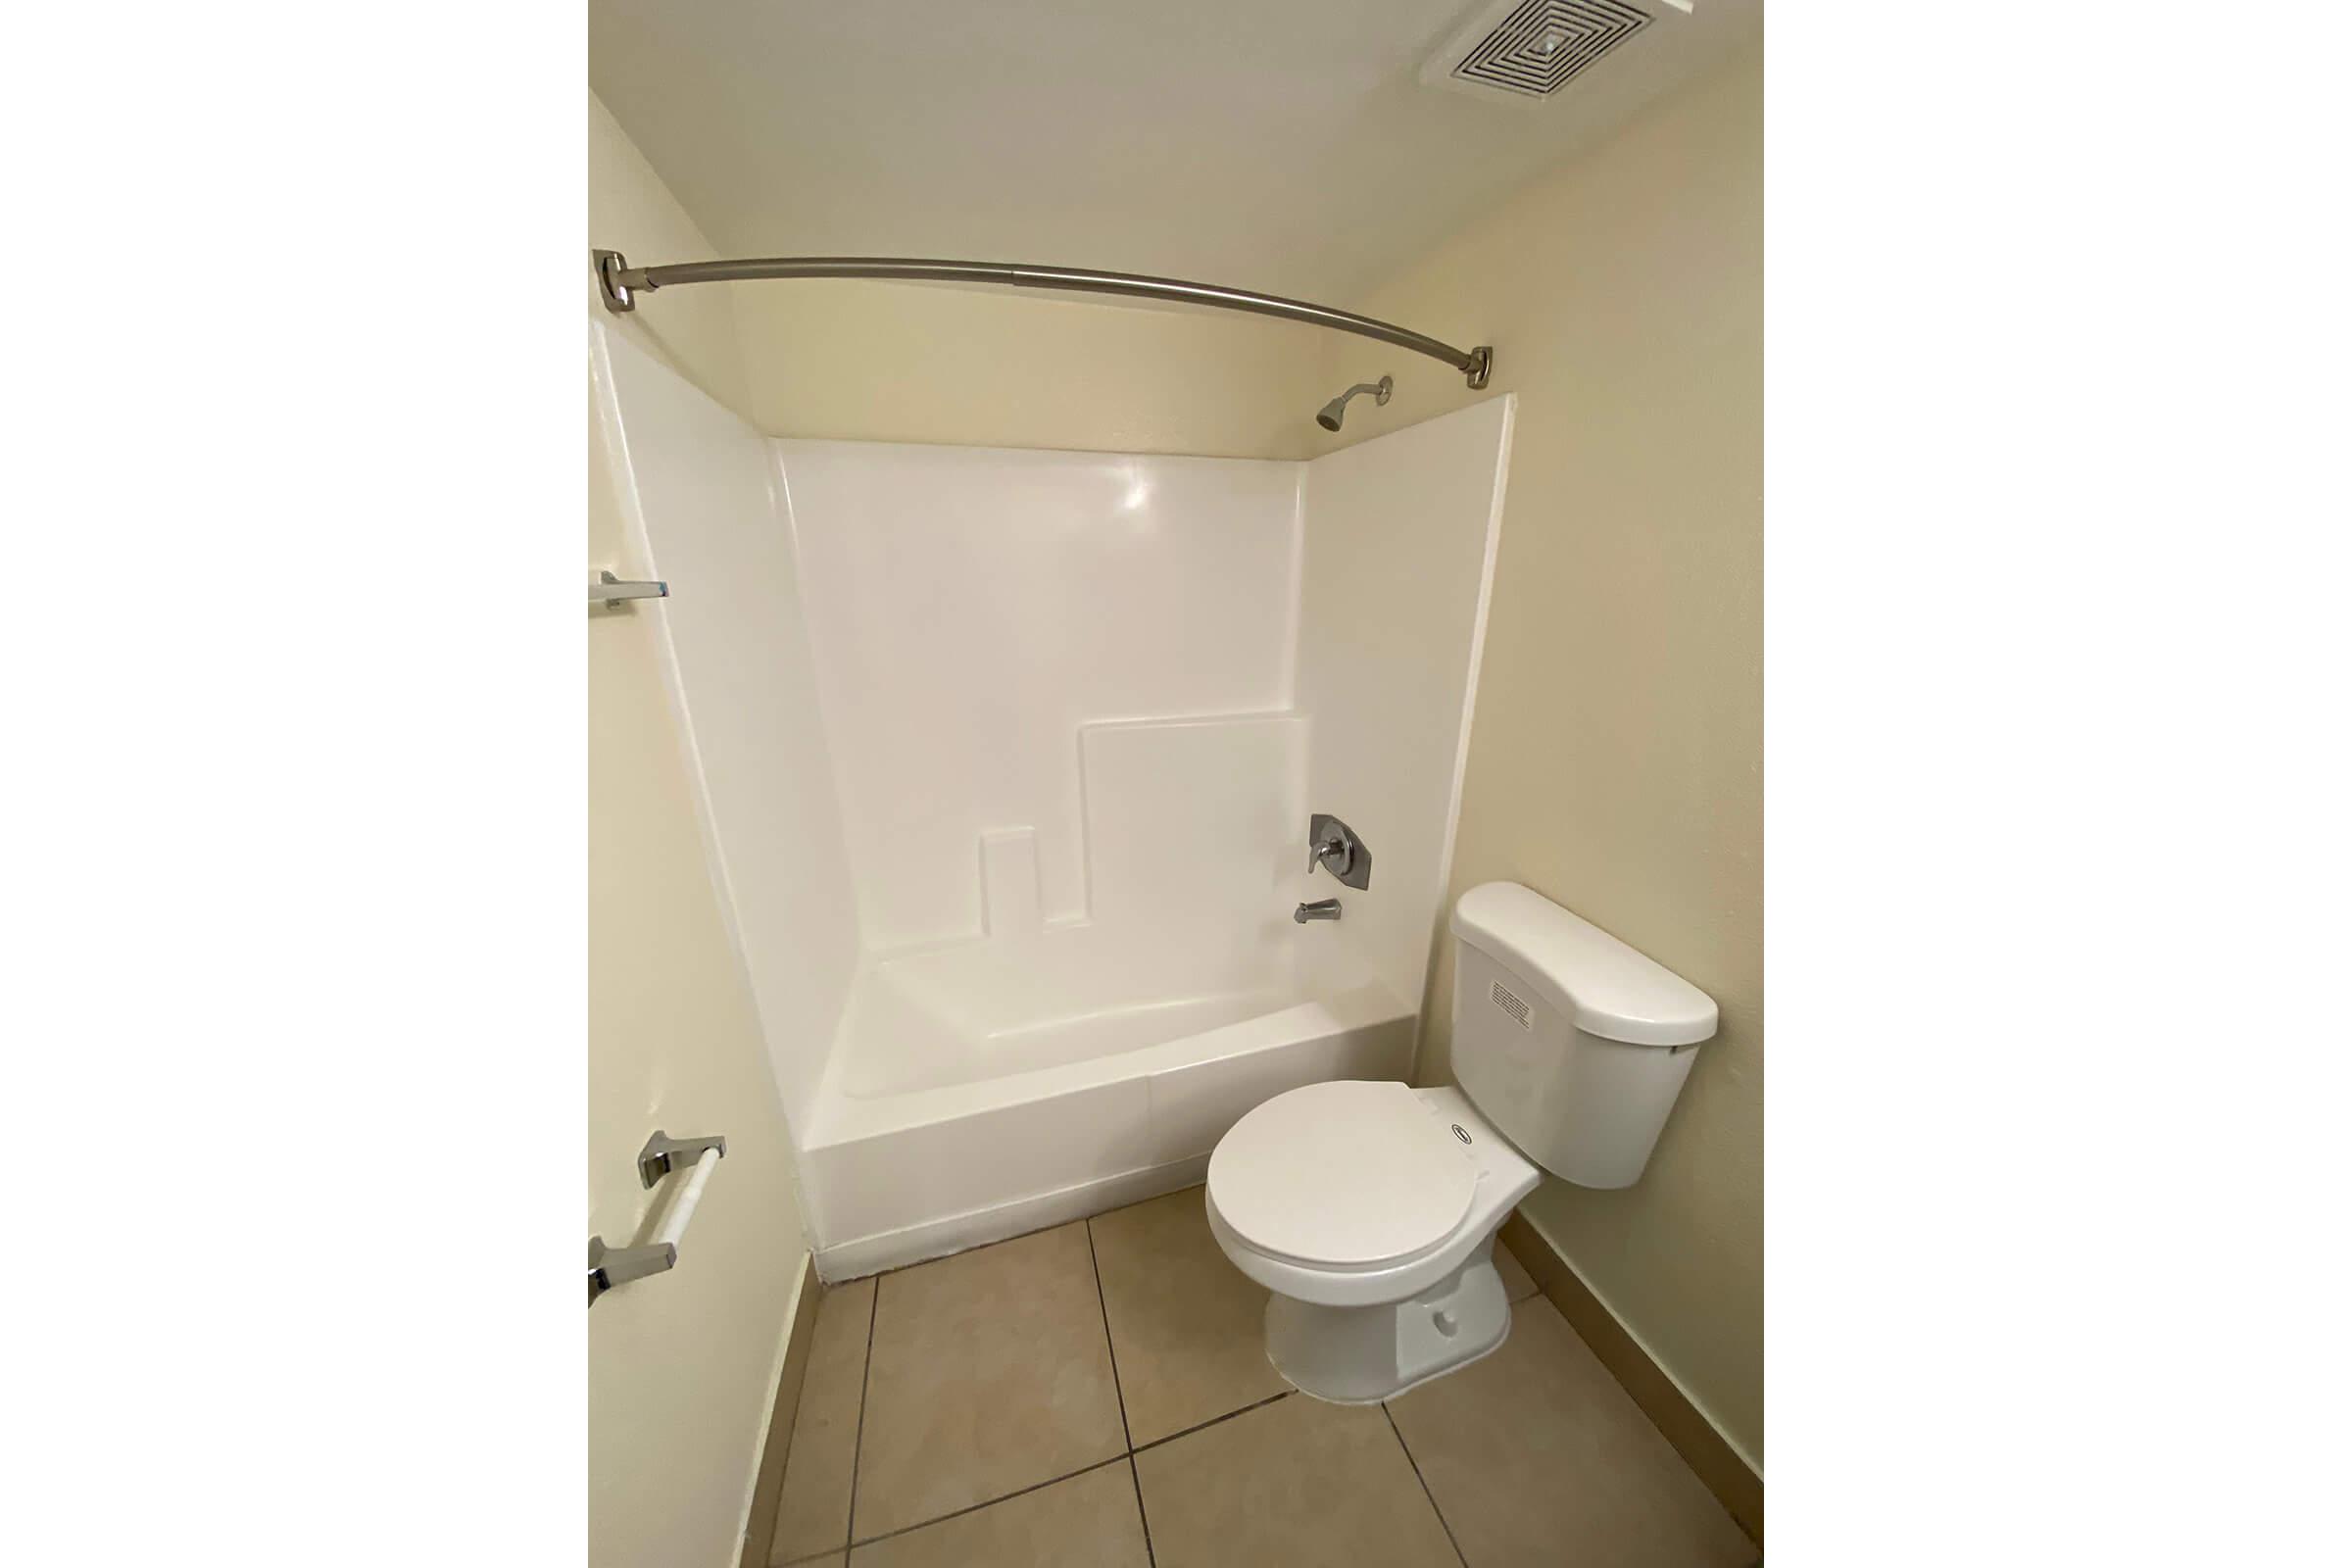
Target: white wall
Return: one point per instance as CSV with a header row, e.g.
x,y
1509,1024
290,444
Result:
x,y
682,1367
987,625
697,480
972,609
1400,536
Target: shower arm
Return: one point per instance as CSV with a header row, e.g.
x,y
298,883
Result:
x,y
621,284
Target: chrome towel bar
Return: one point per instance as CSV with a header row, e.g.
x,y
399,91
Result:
x,y
663,1154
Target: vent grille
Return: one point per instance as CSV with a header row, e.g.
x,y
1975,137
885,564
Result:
x,y
1541,45
1510,1005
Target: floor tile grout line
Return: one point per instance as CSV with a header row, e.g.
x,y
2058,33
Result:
x,y
1102,1305
976,1507
1103,1301
1132,1449
1142,1513
1259,1405
1443,1523
865,1384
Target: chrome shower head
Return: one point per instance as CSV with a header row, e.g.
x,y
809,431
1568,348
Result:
x,y
1337,409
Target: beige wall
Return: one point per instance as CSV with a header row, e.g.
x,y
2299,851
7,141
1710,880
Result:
x,y
977,367
966,366
1616,754
682,1366
629,209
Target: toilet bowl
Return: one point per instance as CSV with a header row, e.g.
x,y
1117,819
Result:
x,y
1369,1209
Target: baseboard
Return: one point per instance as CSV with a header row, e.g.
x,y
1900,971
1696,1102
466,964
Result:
x,y
768,1491
1710,1457
916,1243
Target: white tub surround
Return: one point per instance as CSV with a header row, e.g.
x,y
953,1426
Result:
x,y
1007,757
974,611
695,488
1400,552
1052,1068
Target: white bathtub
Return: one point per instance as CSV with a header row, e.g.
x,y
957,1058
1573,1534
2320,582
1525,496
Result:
x,y
984,1090
1125,681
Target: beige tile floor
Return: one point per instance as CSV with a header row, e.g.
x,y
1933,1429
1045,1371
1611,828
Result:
x,y
1097,1396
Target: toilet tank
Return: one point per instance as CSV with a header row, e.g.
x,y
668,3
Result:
x,y
1571,1044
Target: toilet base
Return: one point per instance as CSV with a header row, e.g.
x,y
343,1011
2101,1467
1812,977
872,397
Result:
x,y
1364,1355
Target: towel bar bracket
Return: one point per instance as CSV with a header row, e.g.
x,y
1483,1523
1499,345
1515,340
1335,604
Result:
x,y
608,1266
608,590
663,1154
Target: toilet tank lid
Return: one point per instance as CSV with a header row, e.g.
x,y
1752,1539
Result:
x,y
1606,987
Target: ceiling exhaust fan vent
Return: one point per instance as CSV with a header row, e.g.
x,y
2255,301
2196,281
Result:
x,y
1533,48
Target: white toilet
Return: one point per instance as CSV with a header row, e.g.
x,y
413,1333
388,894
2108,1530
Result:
x,y
1370,1209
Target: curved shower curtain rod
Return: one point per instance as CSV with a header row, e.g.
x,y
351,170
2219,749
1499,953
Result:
x,y
621,283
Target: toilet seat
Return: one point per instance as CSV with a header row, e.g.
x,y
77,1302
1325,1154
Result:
x,y
1345,1176
1353,1194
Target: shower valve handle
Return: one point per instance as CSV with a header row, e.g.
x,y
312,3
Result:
x,y
1331,851
1333,845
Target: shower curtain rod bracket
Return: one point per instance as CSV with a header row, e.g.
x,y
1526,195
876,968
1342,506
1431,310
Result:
x,y
620,297
621,284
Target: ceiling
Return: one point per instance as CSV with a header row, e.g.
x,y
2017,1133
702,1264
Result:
x,y
1282,145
